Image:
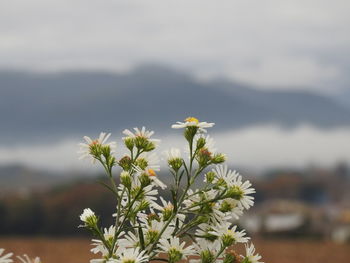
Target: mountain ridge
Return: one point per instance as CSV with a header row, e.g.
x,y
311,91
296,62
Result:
x,y
49,106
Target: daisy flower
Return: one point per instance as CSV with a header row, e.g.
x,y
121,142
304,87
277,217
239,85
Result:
x,y
153,228
223,176
140,133
173,153
250,257
130,255
206,249
87,215
231,208
174,249
151,174
26,259
192,122
229,235
244,190
174,159
167,209
148,161
6,258
130,240
87,148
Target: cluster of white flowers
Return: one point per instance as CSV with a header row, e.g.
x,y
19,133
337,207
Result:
x,y
195,225
8,258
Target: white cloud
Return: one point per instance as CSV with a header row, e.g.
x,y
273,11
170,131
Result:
x,y
271,42
255,148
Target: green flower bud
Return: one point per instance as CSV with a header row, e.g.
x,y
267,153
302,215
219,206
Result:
x,y
175,163
95,149
141,142
142,163
150,146
203,157
144,180
210,176
125,179
218,158
125,163
129,143
200,143
231,258
190,132
174,255
207,256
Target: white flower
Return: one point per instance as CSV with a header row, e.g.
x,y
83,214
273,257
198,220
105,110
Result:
x,y
87,213
192,122
151,175
148,161
153,228
26,259
130,255
222,174
140,133
85,148
250,257
231,207
6,258
175,250
129,241
202,245
244,188
99,247
224,231
173,153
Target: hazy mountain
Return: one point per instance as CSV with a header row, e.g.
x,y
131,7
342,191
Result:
x,y
52,106
18,178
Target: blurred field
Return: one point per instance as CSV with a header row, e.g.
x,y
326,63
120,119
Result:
x,y
72,250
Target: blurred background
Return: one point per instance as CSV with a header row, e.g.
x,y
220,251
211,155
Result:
x,y
273,75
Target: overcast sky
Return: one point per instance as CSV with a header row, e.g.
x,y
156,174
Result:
x,y
272,43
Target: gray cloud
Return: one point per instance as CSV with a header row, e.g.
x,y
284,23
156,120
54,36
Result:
x,y
275,44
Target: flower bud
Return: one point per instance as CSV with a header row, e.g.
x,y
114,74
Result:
x,y
218,158
125,163
125,179
150,146
210,176
89,218
200,143
142,163
207,256
203,157
129,143
144,180
174,255
190,132
175,163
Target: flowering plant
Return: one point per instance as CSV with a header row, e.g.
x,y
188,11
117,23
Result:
x,y
195,225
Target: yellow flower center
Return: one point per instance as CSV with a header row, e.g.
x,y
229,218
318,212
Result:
x,y
192,119
151,172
